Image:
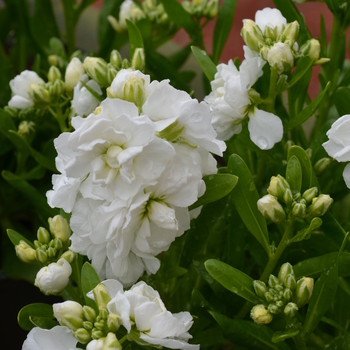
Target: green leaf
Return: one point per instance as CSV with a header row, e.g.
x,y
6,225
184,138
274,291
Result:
x,y
217,187
16,237
207,65
6,122
339,343
245,196
332,229
306,232
89,280
302,67
307,112
223,27
283,335
232,279
248,334
57,48
36,310
341,100
135,38
43,322
294,174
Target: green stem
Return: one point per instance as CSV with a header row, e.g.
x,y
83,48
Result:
x,y
299,342
273,260
121,341
74,295
60,118
270,101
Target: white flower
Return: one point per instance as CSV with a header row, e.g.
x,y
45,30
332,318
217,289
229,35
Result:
x,y
271,18
57,338
338,145
129,10
20,87
84,102
53,279
69,314
74,72
280,57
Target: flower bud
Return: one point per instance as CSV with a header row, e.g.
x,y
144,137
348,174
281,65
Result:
x,y
97,69
111,342
88,325
260,288
321,165
311,48
280,57
252,35
100,325
96,333
310,194
89,313
138,61
53,74
43,235
74,71
291,32
51,252
111,73
271,209
57,89
260,315
69,255
269,296
290,282
304,290
116,59
162,215
212,8
25,252
279,303
113,322
273,281
53,60
12,111
103,313
101,295
287,295
69,314
290,310
285,270
41,255
82,335
288,197
278,186
299,210
39,94
319,205
273,309
59,228
56,243
54,278
126,64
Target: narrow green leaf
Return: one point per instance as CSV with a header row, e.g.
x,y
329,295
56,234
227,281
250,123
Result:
x,y
43,322
135,38
302,67
217,187
245,196
306,232
339,343
89,280
248,334
207,65
341,100
232,279
294,174
16,237
283,335
6,122
332,229
223,27
307,112
36,310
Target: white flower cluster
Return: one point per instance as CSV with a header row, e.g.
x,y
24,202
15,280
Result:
x,y
231,101
130,170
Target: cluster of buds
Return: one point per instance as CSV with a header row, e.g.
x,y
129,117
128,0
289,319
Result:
x,y
282,295
300,206
202,8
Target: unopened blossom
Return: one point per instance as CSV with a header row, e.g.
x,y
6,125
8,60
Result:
x,y
84,102
52,279
74,72
21,88
56,338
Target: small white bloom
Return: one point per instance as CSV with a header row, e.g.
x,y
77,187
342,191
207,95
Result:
x,y
271,18
53,279
74,72
129,10
56,338
20,87
84,102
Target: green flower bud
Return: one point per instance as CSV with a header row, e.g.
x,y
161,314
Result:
x,y
96,333
111,73
288,197
116,59
57,89
53,60
12,111
280,57
260,288
310,194
321,165
69,314
59,228
56,243
25,128
51,252
285,270
319,205
100,325
252,35
126,64
303,291
291,32
69,255
88,325
97,69
273,281
270,35
269,296
260,315
38,244
299,210
103,313
311,48
101,295
264,52
53,74
290,310
41,255
111,342
113,322
212,8
279,303
82,335
43,235
138,61
287,295
40,94
290,282
278,288
273,309
89,313
278,186
271,209
25,252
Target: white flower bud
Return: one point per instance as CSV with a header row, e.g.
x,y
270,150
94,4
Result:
x,y
53,279
319,205
291,33
101,295
311,48
97,69
304,290
25,252
321,165
138,61
59,228
299,210
116,59
280,57
69,255
74,71
69,314
252,35
162,215
40,94
310,194
260,315
53,74
278,186
285,270
113,322
271,209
